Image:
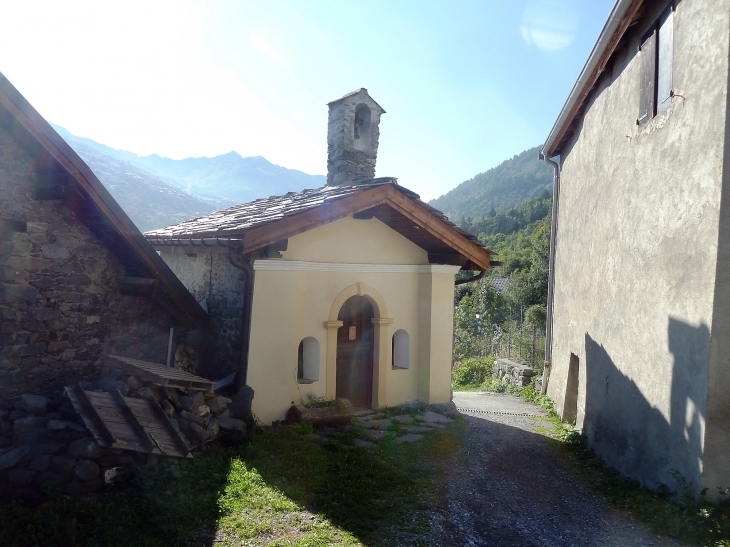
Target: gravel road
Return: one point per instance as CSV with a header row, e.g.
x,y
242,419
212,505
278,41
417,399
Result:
x,y
505,488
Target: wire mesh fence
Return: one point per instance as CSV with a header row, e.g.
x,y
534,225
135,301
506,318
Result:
x,y
516,340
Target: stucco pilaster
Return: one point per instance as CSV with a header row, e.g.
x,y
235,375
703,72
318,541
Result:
x,y
380,361
331,364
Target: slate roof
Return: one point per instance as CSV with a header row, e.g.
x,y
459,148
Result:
x,y
240,218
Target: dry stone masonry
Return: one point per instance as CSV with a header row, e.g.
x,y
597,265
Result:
x,y
519,374
43,441
60,303
352,138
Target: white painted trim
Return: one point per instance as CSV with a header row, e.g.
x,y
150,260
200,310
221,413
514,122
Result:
x,y
297,265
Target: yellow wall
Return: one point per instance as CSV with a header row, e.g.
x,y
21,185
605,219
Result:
x,y
352,241
294,297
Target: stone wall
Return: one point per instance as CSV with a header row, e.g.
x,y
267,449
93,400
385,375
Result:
x,y
210,276
348,161
60,305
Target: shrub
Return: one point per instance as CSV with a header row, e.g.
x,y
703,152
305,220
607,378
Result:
x,y
472,372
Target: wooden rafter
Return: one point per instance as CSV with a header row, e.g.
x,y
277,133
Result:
x,y
259,237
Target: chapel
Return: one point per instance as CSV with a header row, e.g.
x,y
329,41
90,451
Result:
x,y
343,291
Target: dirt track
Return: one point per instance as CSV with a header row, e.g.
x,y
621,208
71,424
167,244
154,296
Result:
x,y
505,488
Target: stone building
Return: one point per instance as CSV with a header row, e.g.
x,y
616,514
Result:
x,y
77,279
639,338
343,291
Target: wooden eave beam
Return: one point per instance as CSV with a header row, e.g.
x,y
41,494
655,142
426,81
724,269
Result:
x,y
257,238
64,154
597,71
268,234
438,228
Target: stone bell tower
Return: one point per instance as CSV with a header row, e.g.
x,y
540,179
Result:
x,y
352,138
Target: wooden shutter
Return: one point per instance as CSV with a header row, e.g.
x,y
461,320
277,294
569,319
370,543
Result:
x,y
647,92
665,60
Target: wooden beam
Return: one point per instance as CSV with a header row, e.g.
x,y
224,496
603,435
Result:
x,y
410,209
257,238
138,286
274,250
452,259
132,420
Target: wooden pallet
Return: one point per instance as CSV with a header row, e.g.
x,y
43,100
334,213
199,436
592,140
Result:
x,y
161,374
127,423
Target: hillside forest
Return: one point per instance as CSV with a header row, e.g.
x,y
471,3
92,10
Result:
x,y
509,208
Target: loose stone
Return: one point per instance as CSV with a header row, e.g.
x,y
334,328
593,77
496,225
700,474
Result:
x,y
363,443
410,438
62,464
40,463
33,404
21,477
86,470
434,417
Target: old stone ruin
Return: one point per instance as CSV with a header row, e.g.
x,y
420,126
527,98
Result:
x,y
80,437
519,374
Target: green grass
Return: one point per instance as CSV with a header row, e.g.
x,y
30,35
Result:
x,y
277,490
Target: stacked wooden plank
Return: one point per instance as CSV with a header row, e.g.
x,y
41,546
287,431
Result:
x,y
160,374
127,423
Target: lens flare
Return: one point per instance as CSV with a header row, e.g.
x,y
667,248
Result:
x,y
550,25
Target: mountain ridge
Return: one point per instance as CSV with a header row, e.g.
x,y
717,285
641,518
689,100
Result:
x,y
227,176
500,188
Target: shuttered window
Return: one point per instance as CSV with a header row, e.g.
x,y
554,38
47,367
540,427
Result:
x,y
664,60
656,59
648,77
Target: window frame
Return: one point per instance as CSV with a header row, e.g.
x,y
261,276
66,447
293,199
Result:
x,y
656,50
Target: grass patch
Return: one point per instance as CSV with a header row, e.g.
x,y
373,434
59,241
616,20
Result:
x,y
278,489
683,515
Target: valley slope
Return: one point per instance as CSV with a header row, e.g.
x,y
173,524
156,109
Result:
x,y
156,192
501,188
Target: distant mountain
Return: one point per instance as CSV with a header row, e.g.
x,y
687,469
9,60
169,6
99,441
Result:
x,y
229,176
150,202
501,188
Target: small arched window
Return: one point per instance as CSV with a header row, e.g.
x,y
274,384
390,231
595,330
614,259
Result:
x,y
401,350
308,361
361,129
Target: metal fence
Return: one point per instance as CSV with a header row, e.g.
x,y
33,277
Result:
x,y
516,340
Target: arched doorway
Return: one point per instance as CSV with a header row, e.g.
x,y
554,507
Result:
x,y
355,351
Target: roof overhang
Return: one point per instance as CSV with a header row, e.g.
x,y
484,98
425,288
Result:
x,y
114,226
386,202
623,14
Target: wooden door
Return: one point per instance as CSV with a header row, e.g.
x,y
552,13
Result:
x,y
355,350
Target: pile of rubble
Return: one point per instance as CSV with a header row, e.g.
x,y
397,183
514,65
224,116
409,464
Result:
x,y
519,374
43,440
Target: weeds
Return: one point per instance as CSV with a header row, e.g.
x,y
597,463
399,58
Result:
x,y
682,515
279,489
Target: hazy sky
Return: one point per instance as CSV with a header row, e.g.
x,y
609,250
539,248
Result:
x,y
466,84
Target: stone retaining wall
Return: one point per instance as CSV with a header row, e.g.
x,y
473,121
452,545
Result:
x,y
519,374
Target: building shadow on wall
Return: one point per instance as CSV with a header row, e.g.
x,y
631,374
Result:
x,y
626,427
